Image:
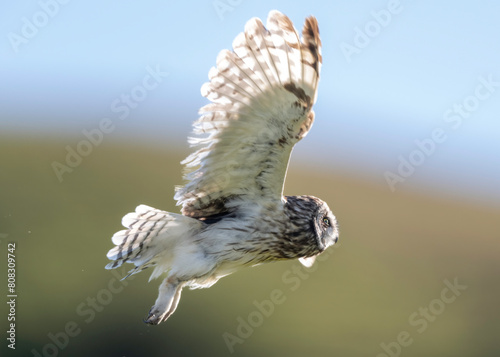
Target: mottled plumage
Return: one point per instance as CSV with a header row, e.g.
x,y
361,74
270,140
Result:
x,y
234,213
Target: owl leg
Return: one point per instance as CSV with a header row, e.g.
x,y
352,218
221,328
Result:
x,y
167,301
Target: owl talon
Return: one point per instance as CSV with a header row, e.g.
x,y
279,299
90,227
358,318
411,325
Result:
x,y
153,318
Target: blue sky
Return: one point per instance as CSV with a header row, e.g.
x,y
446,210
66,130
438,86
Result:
x,y
391,71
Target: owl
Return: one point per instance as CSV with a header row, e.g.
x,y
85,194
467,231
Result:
x,y
234,213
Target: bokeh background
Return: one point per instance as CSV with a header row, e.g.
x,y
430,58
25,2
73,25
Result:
x,y
393,73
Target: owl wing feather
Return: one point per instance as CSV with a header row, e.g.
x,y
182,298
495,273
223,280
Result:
x,y
262,95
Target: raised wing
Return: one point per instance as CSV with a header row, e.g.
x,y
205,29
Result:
x,y
262,95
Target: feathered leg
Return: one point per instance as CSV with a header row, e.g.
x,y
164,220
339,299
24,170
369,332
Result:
x,y
167,301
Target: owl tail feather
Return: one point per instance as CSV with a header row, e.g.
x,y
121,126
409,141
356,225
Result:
x,y
152,235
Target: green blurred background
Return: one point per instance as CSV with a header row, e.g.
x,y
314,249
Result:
x,y
381,291
394,254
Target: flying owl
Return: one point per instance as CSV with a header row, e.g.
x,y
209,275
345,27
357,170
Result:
x,y
234,213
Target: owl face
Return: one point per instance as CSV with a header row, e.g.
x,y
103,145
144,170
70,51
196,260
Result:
x,y
325,226
313,225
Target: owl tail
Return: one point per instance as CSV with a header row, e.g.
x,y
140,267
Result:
x,y
151,237
154,238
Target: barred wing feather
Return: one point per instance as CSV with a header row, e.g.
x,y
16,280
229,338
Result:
x,y
262,95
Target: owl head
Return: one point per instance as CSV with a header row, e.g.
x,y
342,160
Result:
x,y
313,222
325,225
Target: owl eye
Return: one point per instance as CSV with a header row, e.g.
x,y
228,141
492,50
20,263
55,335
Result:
x,y
326,221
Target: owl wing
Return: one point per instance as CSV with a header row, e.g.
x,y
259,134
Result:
x,y
262,95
